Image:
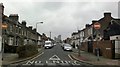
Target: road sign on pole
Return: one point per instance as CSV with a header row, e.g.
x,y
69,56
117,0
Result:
x,y
97,25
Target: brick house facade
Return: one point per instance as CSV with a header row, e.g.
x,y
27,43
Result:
x,y
16,33
109,27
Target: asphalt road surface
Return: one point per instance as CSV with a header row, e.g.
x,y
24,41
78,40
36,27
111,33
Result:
x,y
52,57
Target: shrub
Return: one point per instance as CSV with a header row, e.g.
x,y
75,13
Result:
x,y
9,49
27,50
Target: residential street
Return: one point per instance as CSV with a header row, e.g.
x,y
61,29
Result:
x,y
59,33
53,56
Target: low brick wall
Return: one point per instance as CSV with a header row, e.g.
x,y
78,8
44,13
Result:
x,y
106,48
84,46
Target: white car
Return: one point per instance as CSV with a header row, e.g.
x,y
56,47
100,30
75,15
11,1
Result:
x,y
54,44
48,44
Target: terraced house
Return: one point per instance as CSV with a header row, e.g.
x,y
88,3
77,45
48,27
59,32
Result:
x,y
108,37
15,34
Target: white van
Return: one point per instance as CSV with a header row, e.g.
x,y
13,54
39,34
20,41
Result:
x,y
48,44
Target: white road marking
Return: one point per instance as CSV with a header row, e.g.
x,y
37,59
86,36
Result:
x,y
66,62
56,62
46,62
62,62
75,63
30,62
38,62
70,57
54,57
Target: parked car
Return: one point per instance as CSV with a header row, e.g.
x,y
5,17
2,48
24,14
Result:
x,y
55,44
67,47
48,44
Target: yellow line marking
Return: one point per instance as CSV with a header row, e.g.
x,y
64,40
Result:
x,y
70,57
37,56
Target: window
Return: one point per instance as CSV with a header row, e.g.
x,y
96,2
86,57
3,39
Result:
x,y
19,30
10,42
11,28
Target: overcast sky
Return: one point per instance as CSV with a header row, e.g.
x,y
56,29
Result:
x,y
61,18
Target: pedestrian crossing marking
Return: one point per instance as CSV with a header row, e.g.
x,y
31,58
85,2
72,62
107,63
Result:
x,y
54,57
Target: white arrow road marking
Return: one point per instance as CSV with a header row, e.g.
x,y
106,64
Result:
x,y
54,57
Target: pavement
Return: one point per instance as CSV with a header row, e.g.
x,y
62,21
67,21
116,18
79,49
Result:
x,y
90,58
0,59
11,58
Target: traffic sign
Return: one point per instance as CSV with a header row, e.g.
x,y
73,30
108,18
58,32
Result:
x,y
54,57
97,25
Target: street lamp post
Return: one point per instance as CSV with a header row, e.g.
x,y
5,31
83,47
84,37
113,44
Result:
x,y
79,43
79,54
36,30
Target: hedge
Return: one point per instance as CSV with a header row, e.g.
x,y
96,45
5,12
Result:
x,y
27,50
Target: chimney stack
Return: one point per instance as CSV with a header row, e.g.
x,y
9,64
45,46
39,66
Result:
x,y
34,29
30,27
14,17
87,25
107,14
24,22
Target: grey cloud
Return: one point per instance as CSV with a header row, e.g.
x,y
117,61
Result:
x,y
52,6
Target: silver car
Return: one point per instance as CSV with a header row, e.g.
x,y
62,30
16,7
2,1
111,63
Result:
x,y
67,47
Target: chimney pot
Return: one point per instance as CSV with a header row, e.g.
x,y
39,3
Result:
x,y
30,27
108,14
